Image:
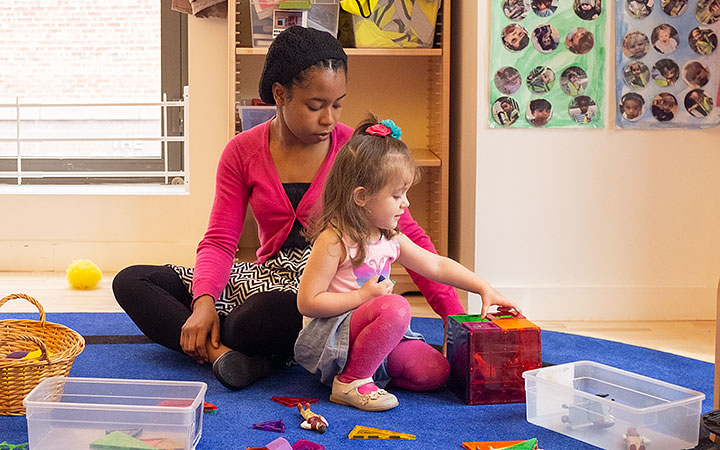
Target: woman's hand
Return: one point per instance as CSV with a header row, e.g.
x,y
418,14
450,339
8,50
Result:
x,y
202,324
372,289
492,297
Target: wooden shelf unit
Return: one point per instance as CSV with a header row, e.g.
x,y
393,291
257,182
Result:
x,y
413,91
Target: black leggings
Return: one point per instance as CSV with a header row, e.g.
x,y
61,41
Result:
x,y
158,302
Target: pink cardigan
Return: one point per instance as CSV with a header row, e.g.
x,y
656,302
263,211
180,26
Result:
x,y
246,173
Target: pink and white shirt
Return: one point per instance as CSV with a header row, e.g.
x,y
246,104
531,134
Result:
x,y
378,258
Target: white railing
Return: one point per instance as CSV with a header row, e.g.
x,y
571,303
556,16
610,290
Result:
x,y
164,139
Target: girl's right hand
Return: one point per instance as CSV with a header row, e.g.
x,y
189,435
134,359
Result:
x,y
372,289
202,324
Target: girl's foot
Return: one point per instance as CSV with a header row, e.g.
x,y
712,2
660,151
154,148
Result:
x,y
347,394
236,370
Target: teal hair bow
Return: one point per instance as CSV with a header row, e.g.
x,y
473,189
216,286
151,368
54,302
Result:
x,y
395,130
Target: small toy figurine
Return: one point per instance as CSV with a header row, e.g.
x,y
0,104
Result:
x,y
634,441
589,414
312,421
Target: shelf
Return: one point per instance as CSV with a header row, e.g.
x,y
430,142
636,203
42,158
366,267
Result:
x,y
425,158
262,51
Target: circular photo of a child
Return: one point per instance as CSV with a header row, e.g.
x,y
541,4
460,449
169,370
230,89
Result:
x,y
703,41
632,106
538,112
664,107
708,11
674,7
579,40
695,74
587,9
516,9
698,103
505,111
664,38
665,72
545,38
582,109
636,75
573,80
544,8
639,8
515,38
540,80
635,44
508,80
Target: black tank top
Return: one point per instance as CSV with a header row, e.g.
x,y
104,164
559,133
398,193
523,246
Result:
x,y
295,192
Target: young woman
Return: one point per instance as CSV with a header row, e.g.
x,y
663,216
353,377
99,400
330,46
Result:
x,y
243,317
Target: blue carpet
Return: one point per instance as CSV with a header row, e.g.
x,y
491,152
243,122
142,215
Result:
x,y
438,419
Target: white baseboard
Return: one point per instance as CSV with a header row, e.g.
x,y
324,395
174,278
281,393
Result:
x,y
620,303
109,256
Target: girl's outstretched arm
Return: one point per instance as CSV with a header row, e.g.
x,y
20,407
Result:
x,y
445,270
313,299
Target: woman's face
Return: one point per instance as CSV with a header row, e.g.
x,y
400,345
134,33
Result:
x,y
313,109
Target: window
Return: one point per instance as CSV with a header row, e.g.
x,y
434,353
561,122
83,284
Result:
x,y
84,93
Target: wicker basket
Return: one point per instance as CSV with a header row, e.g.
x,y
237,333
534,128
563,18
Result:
x,y
58,344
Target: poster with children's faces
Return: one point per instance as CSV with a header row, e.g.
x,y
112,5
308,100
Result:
x,y
667,68
547,63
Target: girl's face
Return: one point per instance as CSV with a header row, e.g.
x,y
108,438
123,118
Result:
x,y
576,38
313,109
514,37
669,73
636,47
632,109
386,207
541,115
663,35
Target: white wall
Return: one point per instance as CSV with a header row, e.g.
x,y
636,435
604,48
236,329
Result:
x,y
46,232
596,224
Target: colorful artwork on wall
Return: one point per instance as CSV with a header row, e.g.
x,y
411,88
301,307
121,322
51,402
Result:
x,y
547,63
667,66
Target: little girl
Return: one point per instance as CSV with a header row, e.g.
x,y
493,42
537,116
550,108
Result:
x,y
359,337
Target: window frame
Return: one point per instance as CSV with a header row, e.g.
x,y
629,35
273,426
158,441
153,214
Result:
x,y
123,170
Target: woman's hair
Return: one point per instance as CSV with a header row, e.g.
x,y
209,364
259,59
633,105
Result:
x,y
367,161
293,53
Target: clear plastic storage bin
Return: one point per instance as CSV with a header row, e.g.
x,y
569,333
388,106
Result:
x,y
253,115
612,408
80,413
268,18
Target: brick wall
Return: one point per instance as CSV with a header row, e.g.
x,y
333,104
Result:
x,y
80,49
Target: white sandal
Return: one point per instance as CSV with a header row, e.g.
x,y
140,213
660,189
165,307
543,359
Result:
x,y
347,394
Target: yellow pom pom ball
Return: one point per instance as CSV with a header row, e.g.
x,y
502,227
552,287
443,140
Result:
x,y
83,274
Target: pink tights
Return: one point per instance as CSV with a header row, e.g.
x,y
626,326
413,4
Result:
x,y
376,331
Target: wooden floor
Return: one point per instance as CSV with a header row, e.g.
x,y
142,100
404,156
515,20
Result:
x,y
694,339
